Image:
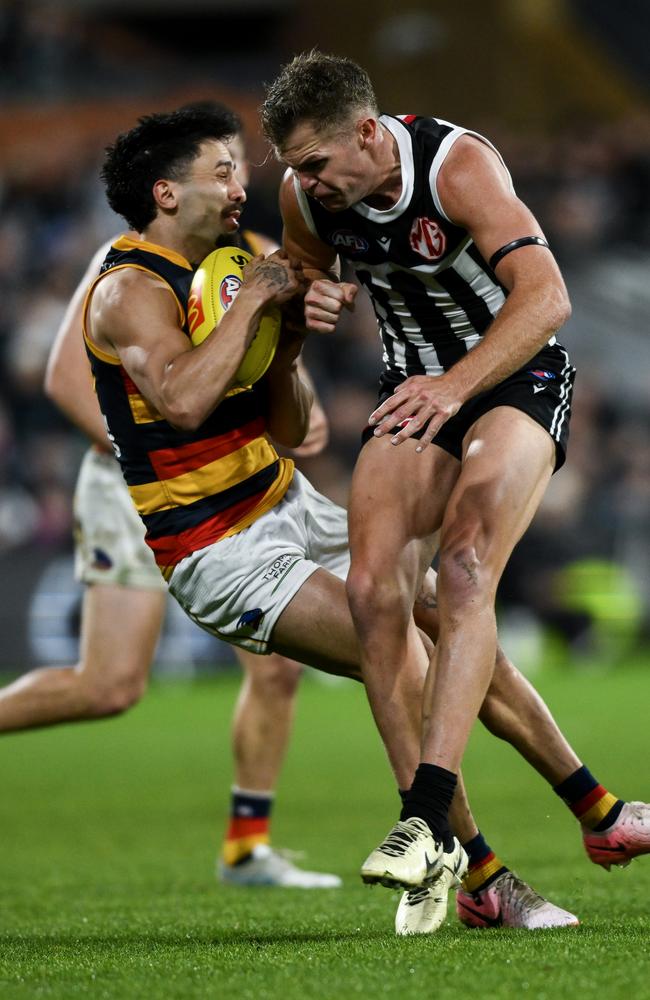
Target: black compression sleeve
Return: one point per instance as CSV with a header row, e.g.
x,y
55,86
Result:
x,y
524,241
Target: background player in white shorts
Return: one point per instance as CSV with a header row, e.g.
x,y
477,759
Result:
x,y
124,585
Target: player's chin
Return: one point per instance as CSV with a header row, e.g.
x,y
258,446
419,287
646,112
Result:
x,y
333,202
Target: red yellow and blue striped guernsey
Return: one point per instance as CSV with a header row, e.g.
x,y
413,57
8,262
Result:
x,y
191,488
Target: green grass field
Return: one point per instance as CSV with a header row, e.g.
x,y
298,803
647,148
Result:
x,y
109,833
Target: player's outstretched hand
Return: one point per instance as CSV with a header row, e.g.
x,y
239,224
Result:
x,y
420,401
324,301
277,278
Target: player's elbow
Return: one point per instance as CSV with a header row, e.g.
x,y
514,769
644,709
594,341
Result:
x,y
183,414
558,309
55,384
183,418
289,436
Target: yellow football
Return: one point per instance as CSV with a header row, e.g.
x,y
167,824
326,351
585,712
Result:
x,y
214,289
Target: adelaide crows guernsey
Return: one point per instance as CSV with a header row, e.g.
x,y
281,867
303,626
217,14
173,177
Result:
x,y
191,488
433,294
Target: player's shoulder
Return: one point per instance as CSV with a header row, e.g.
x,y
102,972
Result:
x,y
117,287
471,157
288,195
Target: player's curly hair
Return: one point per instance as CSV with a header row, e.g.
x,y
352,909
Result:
x,y
315,87
160,145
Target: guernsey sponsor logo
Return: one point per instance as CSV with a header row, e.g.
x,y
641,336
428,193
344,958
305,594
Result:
x,y
427,239
228,289
195,314
279,566
349,242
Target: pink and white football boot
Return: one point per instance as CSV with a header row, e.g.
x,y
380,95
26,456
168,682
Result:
x,y
625,839
510,902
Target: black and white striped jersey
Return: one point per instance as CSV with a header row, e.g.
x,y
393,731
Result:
x,y
433,294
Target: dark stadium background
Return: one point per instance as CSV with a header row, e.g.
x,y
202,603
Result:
x,y
561,86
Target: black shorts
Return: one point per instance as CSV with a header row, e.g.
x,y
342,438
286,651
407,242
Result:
x,y
542,389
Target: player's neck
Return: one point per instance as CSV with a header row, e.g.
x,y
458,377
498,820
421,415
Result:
x,y
194,249
389,174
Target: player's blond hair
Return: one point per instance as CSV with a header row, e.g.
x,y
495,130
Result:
x,y
319,88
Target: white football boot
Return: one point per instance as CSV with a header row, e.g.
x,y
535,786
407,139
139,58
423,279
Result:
x,y
424,910
266,866
409,857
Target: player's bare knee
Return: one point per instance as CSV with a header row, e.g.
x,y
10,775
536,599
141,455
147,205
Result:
x,y
275,677
113,699
463,576
371,595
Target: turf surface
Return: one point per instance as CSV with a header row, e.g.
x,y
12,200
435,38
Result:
x,y
109,832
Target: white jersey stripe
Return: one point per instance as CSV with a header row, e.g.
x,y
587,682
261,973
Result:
x,y
562,407
303,203
441,155
445,313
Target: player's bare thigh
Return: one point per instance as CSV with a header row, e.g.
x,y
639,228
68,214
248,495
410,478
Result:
x,y
508,459
397,503
316,626
120,629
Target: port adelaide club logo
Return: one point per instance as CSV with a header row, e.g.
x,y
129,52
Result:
x,y
427,239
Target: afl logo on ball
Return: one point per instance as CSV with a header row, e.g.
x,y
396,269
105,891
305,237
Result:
x,y
427,239
228,289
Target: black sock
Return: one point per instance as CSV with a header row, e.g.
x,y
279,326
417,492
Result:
x,y
429,797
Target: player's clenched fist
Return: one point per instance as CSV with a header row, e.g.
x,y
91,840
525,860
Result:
x,y
324,301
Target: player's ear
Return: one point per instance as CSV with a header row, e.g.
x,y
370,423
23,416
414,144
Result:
x,y
164,194
367,131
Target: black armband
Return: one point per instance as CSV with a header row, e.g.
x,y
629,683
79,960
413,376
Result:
x,y
524,241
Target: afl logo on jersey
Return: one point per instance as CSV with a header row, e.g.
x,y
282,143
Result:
x,y
427,239
349,242
228,289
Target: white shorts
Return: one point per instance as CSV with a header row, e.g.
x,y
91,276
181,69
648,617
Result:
x,y
109,535
238,587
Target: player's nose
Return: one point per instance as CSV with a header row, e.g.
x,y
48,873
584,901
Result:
x,y
237,193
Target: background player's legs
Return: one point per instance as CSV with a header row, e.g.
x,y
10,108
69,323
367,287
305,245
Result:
x,y
261,724
261,728
120,628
